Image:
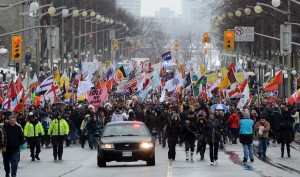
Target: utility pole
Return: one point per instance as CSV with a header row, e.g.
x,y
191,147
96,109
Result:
x,y
288,57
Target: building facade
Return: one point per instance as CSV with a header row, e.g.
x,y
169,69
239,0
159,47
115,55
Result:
x,y
132,6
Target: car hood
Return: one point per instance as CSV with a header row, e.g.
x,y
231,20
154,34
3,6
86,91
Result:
x,y
126,139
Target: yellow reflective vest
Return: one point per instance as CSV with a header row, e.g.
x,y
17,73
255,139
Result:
x,y
32,130
59,127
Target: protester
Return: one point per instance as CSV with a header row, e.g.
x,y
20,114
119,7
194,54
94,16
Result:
x,y
84,133
201,146
118,116
246,136
94,128
234,126
10,151
189,133
262,128
173,135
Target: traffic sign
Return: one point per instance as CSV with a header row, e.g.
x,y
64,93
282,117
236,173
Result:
x,y
244,33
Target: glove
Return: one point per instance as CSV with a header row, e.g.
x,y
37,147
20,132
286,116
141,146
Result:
x,y
66,136
3,149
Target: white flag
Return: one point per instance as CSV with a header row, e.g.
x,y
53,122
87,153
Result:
x,y
245,97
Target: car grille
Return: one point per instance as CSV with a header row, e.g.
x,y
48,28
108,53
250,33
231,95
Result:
x,y
127,146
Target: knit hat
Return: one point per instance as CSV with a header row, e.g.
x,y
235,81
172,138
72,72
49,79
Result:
x,y
246,113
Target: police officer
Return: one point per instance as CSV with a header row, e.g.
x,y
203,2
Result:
x,y
59,129
33,131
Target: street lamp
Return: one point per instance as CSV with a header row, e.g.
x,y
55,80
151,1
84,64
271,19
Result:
x,y
276,3
84,13
284,72
258,9
102,19
263,64
65,12
111,21
92,14
224,15
238,13
269,66
75,13
51,10
253,60
107,20
219,19
294,72
34,6
3,50
98,17
230,14
247,11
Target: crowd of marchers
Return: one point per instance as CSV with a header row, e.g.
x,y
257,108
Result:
x,y
193,125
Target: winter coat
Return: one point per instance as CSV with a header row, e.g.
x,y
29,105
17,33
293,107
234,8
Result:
x,y
118,117
94,127
46,123
265,131
189,132
285,131
150,122
213,130
15,138
2,137
173,131
234,120
246,131
275,123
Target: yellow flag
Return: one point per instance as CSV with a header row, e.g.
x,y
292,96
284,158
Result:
x,y
82,97
68,95
224,83
64,80
224,72
202,70
56,76
239,77
211,78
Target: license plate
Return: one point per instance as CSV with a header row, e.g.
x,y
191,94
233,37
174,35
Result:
x,y
127,154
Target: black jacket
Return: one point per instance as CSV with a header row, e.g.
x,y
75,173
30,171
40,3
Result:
x,y
189,132
213,130
285,131
15,138
173,131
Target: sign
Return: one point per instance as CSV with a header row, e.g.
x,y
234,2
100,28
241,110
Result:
x,y
112,34
89,68
97,96
166,56
244,34
53,38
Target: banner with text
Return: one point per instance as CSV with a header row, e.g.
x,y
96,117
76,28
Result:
x,y
97,96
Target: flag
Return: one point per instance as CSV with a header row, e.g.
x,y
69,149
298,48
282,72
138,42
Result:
x,y
211,78
187,81
110,73
52,93
34,82
155,79
56,76
198,84
45,85
273,84
11,92
19,86
20,101
294,98
202,70
232,66
120,74
227,81
245,97
177,81
224,72
240,77
166,56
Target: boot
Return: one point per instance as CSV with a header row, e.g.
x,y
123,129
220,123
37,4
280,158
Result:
x,y
187,155
289,152
282,152
202,155
37,157
192,154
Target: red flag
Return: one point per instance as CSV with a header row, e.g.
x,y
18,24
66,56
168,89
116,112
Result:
x,y
11,92
146,83
294,98
243,85
273,84
232,66
20,104
19,86
98,85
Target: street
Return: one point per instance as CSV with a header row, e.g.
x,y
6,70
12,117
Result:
x,y
82,162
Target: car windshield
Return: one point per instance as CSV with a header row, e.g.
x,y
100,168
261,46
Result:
x,y
125,130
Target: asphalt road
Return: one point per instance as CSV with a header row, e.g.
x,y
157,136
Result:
x,y
78,162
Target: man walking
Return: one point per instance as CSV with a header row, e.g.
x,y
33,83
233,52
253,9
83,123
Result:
x,y
11,152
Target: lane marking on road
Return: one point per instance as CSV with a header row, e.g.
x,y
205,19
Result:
x,y
170,169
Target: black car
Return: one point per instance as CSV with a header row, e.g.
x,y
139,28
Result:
x,y
126,142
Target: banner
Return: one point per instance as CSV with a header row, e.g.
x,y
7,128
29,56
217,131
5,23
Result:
x,y
97,96
211,78
90,68
64,80
166,56
239,77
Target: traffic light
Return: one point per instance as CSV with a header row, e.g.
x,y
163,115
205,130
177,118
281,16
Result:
x,y
228,40
116,43
16,48
205,38
176,46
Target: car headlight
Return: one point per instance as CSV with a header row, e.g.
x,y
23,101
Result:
x,y
146,145
107,146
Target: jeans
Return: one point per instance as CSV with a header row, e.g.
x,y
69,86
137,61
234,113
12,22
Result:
x,y
92,141
35,146
11,163
74,135
248,151
235,135
262,145
213,151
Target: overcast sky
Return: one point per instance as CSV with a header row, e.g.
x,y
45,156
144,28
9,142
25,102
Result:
x,y
150,6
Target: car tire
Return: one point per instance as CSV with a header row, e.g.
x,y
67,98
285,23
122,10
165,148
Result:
x,y
101,162
151,161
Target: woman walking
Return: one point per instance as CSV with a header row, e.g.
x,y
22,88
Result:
x,y
246,136
189,132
